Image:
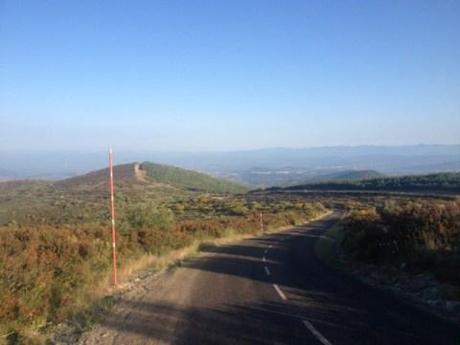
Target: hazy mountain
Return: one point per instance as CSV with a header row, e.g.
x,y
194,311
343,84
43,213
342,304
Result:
x,y
262,177
7,174
257,167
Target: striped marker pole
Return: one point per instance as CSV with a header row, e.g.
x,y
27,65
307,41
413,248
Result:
x,y
261,217
114,234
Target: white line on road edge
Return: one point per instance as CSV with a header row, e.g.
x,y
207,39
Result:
x,y
315,332
282,295
263,259
270,246
267,270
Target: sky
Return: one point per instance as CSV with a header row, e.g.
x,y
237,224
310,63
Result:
x,y
227,75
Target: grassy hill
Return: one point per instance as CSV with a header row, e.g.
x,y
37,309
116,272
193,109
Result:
x,y
449,182
189,179
84,198
145,173
124,172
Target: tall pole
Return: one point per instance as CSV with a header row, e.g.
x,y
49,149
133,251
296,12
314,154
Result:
x,y
261,218
114,234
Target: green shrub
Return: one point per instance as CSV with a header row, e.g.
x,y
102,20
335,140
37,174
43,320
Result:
x,y
49,272
146,216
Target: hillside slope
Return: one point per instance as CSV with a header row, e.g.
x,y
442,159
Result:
x,y
449,182
97,180
84,198
346,175
189,179
127,175
260,177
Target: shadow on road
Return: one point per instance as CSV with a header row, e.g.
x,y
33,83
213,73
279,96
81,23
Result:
x,y
345,310
259,323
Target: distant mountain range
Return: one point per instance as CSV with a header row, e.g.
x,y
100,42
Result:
x,y
266,167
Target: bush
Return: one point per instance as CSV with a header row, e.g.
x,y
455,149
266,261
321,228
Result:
x,y
49,272
146,216
424,234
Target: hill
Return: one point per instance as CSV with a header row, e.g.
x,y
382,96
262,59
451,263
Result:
x,y
287,176
448,182
84,198
346,175
189,179
127,175
97,180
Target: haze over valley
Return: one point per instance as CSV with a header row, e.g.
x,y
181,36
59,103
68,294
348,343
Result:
x,y
256,168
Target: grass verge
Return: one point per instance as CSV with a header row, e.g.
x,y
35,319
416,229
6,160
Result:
x,y
71,278
149,265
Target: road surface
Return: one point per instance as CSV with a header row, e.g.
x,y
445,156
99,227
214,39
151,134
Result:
x,y
266,290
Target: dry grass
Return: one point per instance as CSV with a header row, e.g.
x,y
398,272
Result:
x,y
51,273
425,235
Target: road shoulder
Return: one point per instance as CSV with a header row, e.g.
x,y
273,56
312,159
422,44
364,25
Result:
x,y
422,291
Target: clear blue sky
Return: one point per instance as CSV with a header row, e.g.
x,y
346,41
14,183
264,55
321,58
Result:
x,y
223,75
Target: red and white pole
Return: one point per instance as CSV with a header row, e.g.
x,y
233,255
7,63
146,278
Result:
x,y
261,221
114,234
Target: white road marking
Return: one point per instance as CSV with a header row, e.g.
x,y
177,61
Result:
x,y
267,270
270,246
282,295
315,332
320,236
263,259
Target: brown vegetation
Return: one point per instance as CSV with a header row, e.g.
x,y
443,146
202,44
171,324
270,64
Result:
x,y
422,235
50,272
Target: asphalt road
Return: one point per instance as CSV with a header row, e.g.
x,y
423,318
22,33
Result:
x,y
267,290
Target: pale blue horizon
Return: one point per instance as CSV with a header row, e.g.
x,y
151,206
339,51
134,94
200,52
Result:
x,y
223,76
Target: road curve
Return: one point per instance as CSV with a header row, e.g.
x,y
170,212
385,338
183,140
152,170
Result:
x,y
266,290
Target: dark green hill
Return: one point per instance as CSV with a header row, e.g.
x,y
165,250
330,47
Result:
x,y
188,179
449,182
347,175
